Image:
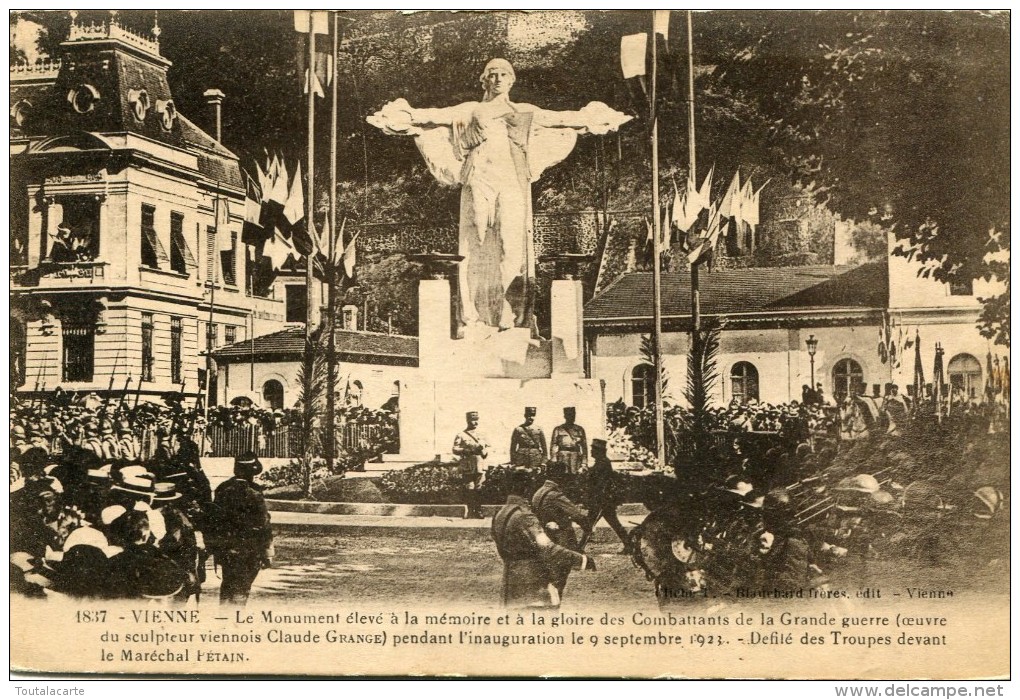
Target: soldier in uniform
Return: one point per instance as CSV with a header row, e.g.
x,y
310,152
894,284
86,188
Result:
x,y
471,449
569,443
603,496
557,514
895,409
527,443
128,446
244,539
531,560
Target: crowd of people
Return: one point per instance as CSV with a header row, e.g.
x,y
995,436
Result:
x,y
785,520
96,512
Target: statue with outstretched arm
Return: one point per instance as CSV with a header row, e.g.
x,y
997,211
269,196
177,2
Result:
x,y
493,150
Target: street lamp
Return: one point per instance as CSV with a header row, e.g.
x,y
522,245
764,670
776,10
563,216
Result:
x,y
812,348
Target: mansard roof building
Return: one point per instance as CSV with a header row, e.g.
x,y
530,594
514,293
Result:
x,y
126,255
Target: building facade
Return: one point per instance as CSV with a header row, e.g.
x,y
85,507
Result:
x,y
372,367
126,257
767,317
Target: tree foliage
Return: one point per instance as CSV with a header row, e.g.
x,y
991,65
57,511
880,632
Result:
x,y
899,118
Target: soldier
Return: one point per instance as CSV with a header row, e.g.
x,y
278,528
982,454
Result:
x,y
603,496
569,443
530,558
527,443
243,537
895,409
471,448
557,514
128,447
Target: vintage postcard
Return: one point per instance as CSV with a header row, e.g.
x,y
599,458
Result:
x,y
626,344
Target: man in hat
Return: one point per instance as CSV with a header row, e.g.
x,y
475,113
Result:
x,y
603,493
527,442
240,535
557,514
569,443
471,449
141,570
530,558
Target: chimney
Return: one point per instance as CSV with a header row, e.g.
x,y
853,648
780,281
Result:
x,y
214,98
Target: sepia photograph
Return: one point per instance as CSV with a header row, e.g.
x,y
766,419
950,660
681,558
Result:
x,y
511,344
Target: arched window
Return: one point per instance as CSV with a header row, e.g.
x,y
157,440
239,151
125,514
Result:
x,y
965,375
744,382
354,393
847,375
642,386
272,394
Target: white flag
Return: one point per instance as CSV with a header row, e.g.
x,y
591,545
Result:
x,y
320,21
749,205
730,204
224,239
632,55
278,172
278,249
317,86
350,257
660,21
294,209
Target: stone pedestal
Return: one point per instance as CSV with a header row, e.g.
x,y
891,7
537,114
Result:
x,y
496,373
567,301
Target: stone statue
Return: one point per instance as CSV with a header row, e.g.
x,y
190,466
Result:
x,y
494,150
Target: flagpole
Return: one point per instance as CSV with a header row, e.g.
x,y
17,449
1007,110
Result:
x,y
693,166
214,253
331,288
310,313
660,432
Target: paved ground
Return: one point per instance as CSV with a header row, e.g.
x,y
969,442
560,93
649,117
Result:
x,y
421,561
361,559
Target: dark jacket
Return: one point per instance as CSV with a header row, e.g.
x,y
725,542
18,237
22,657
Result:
x,y
240,517
530,559
557,513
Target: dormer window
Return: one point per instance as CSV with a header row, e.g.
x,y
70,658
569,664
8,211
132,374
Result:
x,y
83,98
20,111
139,100
167,112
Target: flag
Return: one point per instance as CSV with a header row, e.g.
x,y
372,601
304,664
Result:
x,y
704,249
349,258
678,207
317,86
729,207
278,249
252,232
278,193
224,240
664,237
319,18
294,208
649,237
633,49
660,22
918,370
937,380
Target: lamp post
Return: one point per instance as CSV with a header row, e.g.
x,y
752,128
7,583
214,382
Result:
x,y
812,348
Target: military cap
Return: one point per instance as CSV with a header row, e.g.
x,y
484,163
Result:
x,y
598,443
471,415
530,411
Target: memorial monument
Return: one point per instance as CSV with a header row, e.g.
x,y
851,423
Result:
x,y
494,150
